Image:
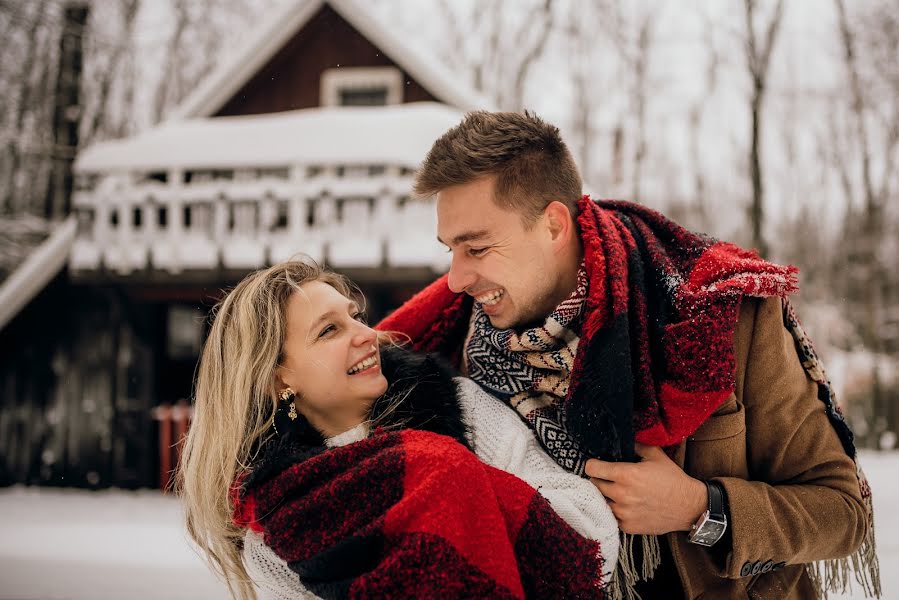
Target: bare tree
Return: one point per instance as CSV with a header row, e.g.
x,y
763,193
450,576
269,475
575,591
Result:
x,y
758,58
171,82
695,119
631,32
580,33
117,56
509,43
534,45
858,103
20,103
869,47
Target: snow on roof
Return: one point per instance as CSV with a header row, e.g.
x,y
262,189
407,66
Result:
x,y
234,73
41,265
399,134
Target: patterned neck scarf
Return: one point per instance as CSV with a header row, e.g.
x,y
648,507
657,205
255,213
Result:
x,y
531,370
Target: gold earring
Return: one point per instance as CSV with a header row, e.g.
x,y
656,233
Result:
x,y
287,395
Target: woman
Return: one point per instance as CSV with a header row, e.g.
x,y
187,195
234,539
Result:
x,y
321,463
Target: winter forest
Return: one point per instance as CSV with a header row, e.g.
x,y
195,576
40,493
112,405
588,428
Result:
x,y
770,123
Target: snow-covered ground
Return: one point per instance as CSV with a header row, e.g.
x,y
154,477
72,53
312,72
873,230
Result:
x,y
71,544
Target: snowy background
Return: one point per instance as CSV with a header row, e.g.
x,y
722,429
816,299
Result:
x,y
656,101
74,544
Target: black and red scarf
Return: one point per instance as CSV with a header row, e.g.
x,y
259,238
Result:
x,y
656,355
411,512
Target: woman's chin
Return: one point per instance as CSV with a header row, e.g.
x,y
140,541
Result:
x,y
381,384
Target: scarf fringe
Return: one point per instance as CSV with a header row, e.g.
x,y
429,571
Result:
x,y
626,573
835,576
828,576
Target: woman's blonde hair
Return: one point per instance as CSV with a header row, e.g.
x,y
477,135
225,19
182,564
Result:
x,y
235,400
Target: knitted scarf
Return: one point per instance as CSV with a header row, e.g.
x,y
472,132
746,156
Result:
x,y
410,511
661,310
660,313
833,575
531,370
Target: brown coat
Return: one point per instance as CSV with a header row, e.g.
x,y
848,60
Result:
x,y
793,493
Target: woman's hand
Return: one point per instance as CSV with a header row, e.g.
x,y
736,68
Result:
x,y
653,496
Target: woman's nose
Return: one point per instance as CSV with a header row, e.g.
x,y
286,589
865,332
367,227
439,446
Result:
x,y
364,335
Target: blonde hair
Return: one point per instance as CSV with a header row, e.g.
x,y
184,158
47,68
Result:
x,y
235,400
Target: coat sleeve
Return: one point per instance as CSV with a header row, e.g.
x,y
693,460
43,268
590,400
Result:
x,y
502,440
800,499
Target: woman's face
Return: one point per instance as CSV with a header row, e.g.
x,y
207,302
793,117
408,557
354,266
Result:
x,y
331,358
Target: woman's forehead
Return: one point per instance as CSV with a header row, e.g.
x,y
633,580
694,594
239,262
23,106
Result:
x,y
315,298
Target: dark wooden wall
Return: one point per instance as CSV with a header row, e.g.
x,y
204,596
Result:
x,y
292,78
83,366
76,389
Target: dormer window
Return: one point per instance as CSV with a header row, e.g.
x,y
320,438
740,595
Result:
x,y
362,86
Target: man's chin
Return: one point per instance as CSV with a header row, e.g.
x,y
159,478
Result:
x,y
517,324
500,322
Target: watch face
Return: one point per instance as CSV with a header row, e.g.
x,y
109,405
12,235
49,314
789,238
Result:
x,y
709,532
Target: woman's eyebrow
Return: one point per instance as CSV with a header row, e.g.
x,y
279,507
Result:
x,y
322,318
332,314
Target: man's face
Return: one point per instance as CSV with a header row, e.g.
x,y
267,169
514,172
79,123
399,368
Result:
x,y
509,269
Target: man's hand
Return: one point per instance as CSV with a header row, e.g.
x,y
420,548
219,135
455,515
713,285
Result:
x,y
653,496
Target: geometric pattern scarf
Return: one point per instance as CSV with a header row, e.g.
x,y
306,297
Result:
x,y
833,575
655,357
531,370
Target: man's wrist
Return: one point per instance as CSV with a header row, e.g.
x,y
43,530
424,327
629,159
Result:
x,y
697,505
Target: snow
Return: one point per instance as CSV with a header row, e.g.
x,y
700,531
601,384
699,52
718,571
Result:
x,y
75,544
400,134
276,30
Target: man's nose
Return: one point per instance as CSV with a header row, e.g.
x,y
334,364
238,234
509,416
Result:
x,y
461,277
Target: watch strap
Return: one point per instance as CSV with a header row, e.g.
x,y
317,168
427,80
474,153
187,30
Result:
x,y
717,508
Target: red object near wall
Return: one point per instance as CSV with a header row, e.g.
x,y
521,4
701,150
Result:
x,y
174,421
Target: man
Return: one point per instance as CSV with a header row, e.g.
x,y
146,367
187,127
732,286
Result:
x,y
663,365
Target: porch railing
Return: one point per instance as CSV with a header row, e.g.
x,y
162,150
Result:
x,y
346,215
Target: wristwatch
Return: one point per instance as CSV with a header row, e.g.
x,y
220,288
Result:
x,y
713,523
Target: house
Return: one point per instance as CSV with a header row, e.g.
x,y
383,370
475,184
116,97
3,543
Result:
x,y
305,141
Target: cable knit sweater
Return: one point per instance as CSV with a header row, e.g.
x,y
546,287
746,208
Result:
x,y
500,439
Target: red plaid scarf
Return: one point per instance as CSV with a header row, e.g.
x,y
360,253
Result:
x,y
656,355
414,514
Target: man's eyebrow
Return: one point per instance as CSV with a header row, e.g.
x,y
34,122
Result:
x,y
468,236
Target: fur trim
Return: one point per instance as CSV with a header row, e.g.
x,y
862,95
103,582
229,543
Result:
x,y
422,395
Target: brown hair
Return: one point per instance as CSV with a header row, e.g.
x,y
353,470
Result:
x,y
531,162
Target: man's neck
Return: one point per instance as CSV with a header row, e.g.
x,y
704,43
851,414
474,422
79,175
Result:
x,y
574,257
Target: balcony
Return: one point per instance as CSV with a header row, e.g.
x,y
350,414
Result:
x,y
239,193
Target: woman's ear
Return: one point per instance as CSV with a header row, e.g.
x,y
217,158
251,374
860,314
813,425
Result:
x,y
279,380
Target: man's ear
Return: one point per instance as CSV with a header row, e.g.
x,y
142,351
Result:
x,y
559,223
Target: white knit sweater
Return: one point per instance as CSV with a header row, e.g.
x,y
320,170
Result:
x,y
501,440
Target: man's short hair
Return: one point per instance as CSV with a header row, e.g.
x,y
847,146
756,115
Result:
x,y
532,164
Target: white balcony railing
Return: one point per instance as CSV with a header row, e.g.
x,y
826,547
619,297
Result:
x,y
348,216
